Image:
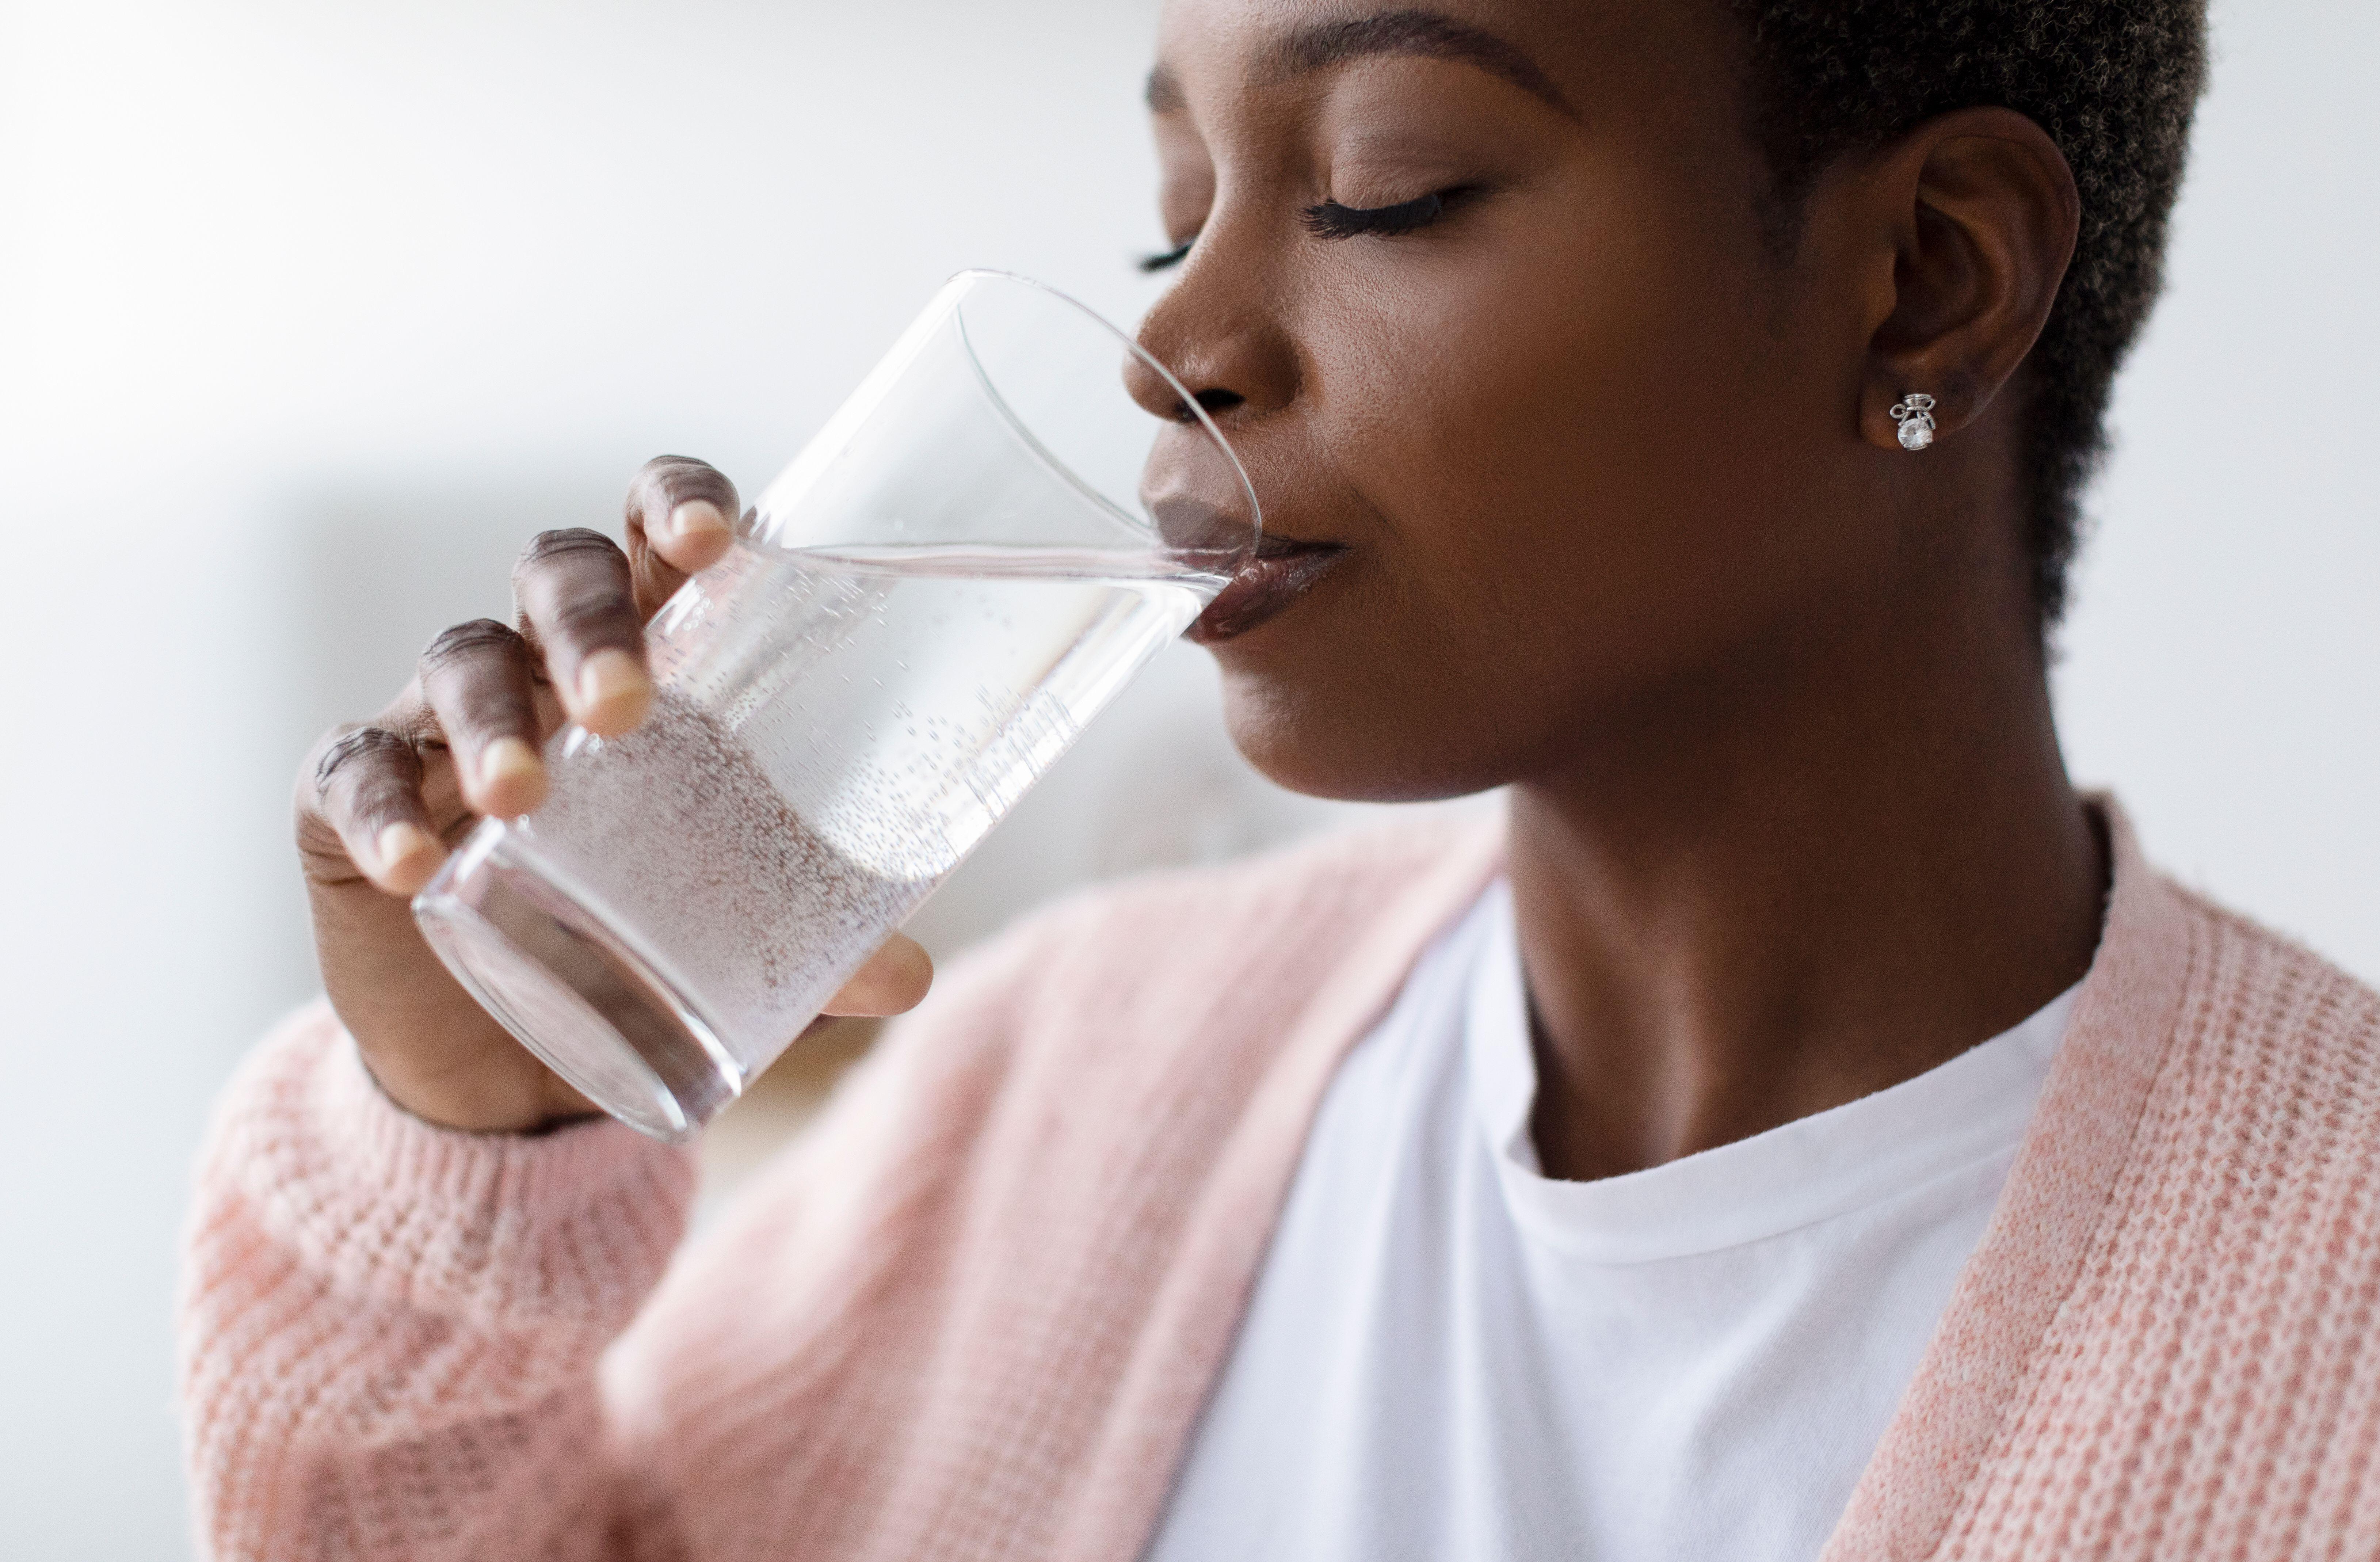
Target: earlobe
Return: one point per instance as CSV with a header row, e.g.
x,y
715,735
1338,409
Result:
x,y
1897,415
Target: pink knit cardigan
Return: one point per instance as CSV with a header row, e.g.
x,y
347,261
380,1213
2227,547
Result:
x,y
976,1312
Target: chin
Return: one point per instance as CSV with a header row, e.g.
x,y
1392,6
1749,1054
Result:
x,y
1310,742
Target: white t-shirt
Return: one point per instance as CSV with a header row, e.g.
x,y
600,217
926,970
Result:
x,y
1448,1355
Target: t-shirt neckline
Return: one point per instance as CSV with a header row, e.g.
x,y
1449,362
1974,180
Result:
x,y
1884,1145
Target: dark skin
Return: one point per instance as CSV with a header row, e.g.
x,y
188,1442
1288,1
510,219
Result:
x,y
379,802
1578,484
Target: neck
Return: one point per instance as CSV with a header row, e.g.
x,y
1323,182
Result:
x,y
1824,881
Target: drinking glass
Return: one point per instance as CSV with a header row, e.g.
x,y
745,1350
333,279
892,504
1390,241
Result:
x,y
1015,510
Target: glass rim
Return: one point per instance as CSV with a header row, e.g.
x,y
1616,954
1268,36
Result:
x,y
972,274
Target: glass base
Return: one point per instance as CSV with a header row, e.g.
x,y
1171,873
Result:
x,y
579,998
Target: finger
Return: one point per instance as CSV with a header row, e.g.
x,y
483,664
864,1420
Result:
x,y
368,789
893,981
479,681
576,605
681,515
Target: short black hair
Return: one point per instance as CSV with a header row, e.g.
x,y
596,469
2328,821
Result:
x,y
2114,82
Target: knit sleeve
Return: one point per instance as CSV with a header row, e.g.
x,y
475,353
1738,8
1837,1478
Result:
x,y
389,1331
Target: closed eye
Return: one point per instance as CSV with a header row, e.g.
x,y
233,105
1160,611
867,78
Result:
x,y
1329,219
1167,259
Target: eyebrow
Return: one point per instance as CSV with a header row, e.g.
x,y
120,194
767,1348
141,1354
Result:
x,y
1319,45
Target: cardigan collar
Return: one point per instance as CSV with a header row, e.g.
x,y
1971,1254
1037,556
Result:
x,y
1969,1377
2031,1255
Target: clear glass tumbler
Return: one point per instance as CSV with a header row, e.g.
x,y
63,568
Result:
x,y
1007,519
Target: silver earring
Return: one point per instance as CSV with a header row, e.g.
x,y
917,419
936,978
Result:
x,y
1915,413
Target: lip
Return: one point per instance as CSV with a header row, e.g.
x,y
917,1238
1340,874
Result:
x,y
1283,571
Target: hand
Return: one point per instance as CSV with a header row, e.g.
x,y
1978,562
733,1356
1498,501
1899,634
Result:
x,y
379,802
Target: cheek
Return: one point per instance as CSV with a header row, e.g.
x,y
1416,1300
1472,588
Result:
x,y
1579,484
1564,440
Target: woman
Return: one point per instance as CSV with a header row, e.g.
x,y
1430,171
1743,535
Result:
x,y
1804,1126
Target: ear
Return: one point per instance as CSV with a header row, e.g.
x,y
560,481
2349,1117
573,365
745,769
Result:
x,y
1978,211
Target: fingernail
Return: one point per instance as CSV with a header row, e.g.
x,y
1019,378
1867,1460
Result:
x,y
612,691
507,760
397,843
697,518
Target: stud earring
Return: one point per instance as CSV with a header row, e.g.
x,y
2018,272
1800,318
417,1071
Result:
x,y
1915,413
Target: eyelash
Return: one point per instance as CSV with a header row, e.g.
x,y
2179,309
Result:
x,y
1168,259
1329,219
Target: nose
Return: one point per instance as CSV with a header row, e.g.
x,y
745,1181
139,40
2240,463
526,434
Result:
x,y
1158,397
1153,392
1223,344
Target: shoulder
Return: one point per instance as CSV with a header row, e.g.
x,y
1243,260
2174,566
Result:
x,y
2227,1027
2257,987
2274,1030
2210,1319
2256,1164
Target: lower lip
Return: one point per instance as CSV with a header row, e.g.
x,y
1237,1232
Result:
x,y
1264,588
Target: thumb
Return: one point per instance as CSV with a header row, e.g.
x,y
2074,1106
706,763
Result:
x,y
893,980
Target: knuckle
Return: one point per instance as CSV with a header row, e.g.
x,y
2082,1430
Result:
x,y
565,543
492,714
320,854
595,617
362,750
460,643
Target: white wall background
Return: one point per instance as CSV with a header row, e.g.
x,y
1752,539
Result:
x,y
309,312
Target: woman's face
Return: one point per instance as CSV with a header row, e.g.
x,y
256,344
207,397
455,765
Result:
x,y
1585,450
